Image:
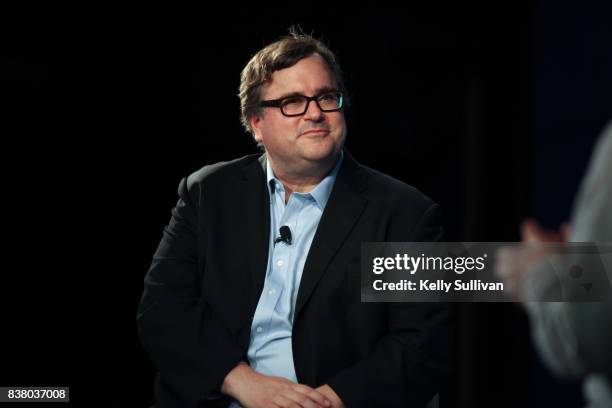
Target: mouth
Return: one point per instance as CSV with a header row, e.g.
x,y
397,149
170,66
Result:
x,y
315,132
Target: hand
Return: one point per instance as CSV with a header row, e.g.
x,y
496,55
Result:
x,y
328,391
254,390
532,232
513,262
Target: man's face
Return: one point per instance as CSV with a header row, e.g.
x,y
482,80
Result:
x,y
301,140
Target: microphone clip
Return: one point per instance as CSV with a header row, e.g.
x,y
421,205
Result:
x,y
285,235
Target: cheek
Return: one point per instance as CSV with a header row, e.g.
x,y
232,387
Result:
x,y
339,123
271,136
279,131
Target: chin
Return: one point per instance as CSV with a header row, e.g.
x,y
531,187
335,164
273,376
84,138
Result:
x,y
320,152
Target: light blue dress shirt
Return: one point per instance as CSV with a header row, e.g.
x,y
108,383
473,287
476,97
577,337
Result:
x,y
270,351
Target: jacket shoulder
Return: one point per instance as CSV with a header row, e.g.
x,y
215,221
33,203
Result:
x,y
219,170
387,188
412,216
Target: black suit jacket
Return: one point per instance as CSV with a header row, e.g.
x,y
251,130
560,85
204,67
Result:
x,y
208,272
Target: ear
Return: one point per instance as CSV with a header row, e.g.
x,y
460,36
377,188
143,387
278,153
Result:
x,y
255,123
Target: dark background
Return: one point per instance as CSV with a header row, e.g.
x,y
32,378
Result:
x,y
492,111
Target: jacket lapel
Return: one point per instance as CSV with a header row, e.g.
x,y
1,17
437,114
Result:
x,y
255,231
342,211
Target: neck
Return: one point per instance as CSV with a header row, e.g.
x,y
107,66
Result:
x,y
303,179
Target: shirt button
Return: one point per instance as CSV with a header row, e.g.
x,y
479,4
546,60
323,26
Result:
x,y
271,291
280,263
259,329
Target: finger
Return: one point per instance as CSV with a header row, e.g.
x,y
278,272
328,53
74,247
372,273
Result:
x,y
566,231
313,394
304,400
284,401
531,231
505,262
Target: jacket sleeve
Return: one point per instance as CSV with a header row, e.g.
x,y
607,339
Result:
x,y
409,363
191,349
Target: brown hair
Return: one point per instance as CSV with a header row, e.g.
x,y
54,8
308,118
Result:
x,y
281,54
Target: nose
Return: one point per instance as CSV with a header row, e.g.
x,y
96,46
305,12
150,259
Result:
x,y
313,112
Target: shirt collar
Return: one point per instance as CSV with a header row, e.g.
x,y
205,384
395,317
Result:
x,y
320,193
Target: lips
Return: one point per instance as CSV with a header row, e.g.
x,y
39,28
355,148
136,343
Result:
x,y
315,132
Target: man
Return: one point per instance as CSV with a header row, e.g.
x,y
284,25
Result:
x,y
253,296
572,337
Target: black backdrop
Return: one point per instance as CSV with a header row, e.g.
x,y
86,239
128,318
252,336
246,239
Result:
x,y
492,112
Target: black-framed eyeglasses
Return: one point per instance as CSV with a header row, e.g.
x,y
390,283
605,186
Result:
x,y
297,105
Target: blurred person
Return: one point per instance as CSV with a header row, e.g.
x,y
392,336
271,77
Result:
x,y
574,338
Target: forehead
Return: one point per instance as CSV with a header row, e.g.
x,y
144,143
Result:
x,y
308,76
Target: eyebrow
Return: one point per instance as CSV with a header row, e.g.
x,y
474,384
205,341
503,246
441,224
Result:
x,y
317,92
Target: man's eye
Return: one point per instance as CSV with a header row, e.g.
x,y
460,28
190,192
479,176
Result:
x,y
330,97
293,101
